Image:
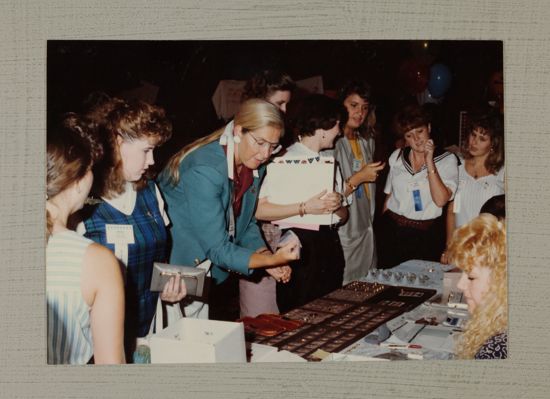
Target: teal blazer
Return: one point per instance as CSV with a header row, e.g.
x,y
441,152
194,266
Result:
x,y
198,207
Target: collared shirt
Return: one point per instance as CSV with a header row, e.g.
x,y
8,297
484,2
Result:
x,y
405,186
241,183
473,193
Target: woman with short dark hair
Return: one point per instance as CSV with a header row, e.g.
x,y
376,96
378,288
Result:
x,y
422,179
320,267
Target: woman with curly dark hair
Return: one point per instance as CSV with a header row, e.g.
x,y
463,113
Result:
x,y
355,154
422,180
481,172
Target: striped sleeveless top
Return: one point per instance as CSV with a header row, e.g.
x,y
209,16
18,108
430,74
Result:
x,y
69,330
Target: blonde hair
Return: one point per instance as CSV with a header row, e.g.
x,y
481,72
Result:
x,y
253,114
482,243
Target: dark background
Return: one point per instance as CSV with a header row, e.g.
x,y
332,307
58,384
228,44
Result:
x,y
187,73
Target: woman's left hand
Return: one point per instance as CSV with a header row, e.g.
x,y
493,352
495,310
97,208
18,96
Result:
x,y
174,290
281,274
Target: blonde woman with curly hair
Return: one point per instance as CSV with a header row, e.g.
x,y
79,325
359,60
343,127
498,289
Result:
x,y
479,249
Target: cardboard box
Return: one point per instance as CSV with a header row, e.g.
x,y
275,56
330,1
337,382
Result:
x,y
199,341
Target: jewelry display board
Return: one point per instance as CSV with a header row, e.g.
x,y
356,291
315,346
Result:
x,y
342,317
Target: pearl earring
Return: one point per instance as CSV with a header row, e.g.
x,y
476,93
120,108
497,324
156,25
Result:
x,y
236,139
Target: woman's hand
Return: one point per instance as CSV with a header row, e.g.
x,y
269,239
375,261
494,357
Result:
x,y
444,260
318,204
429,151
369,172
288,252
174,290
281,274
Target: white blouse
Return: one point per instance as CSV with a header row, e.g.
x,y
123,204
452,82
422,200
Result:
x,y
473,193
410,192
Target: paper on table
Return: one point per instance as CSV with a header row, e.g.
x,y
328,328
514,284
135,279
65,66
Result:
x,y
265,354
295,180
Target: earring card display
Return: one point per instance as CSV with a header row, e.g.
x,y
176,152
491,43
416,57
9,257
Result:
x,y
344,316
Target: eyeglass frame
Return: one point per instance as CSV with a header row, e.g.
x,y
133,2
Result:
x,y
273,150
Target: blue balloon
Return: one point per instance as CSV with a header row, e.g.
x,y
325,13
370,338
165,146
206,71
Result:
x,y
440,80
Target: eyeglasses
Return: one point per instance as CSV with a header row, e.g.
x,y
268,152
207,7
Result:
x,y
273,148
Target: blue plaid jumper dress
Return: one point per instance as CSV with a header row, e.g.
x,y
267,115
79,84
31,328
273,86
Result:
x,y
150,245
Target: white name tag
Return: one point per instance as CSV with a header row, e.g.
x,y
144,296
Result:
x,y
356,165
456,203
119,233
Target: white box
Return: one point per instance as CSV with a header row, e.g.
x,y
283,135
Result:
x,y
199,341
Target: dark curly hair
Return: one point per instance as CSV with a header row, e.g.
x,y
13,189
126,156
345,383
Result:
x,y
363,90
318,111
492,125
263,84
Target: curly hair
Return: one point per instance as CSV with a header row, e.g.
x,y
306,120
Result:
x,y
265,83
482,243
72,150
492,125
363,90
133,120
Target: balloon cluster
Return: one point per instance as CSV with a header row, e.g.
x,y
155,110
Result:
x,y
419,76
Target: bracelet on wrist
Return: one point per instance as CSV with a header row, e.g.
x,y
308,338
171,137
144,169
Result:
x,y
302,209
351,186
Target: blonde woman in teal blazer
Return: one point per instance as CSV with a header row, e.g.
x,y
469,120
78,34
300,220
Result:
x,y
201,188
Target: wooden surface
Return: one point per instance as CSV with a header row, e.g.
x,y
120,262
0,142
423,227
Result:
x,y
24,28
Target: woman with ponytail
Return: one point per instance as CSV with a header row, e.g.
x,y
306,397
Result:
x,y
84,289
211,187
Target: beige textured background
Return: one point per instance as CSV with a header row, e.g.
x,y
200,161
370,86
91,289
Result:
x,y
24,28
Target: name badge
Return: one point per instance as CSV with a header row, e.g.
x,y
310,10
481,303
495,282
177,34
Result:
x,y
356,165
417,200
119,233
456,203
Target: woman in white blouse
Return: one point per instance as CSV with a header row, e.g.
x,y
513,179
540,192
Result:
x,y
481,173
422,179
321,266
